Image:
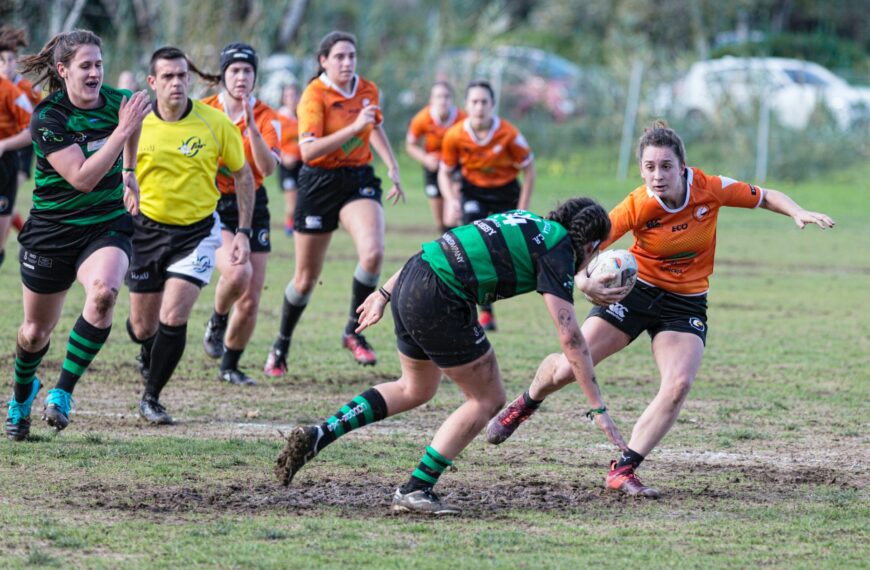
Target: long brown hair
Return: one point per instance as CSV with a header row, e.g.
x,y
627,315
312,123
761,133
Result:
x,y
12,38
59,49
326,45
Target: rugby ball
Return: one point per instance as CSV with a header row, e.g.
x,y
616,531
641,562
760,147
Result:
x,y
619,262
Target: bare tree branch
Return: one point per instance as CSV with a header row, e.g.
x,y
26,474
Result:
x,y
74,15
291,23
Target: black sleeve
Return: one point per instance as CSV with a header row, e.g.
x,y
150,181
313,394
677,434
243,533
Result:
x,y
49,132
556,271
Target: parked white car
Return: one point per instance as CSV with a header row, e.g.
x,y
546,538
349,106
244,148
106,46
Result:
x,y
792,88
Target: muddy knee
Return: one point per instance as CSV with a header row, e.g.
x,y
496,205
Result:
x,y
102,298
32,337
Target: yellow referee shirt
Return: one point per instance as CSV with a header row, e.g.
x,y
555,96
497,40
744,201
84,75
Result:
x,y
177,163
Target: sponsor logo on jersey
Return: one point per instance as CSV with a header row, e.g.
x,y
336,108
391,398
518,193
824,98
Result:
x,y
94,146
701,212
49,135
352,144
617,310
697,324
191,146
313,222
680,227
654,223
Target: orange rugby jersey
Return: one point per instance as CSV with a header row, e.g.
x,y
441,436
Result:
x,y
15,109
325,108
675,248
493,161
426,125
26,87
267,121
289,143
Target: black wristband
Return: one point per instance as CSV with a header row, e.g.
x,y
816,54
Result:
x,y
247,231
385,294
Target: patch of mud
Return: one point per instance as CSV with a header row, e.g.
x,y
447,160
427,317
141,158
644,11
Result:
x,y
363,496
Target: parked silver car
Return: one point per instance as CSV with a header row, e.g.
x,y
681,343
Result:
x,y
792,88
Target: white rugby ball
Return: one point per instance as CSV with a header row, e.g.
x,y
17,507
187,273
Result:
x,y
619,262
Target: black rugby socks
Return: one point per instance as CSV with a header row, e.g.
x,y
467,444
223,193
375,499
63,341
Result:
x,y
629,457
165,356
26,364
85,341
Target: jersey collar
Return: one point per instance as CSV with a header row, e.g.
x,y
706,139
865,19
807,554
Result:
x,y
347,95
496,123
451,116
252,101
690,174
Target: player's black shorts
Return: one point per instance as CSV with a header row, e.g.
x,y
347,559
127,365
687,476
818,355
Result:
x,y
228,211
289,177
323,192
433,322
430,184
8,182
480,202
25,160
161,251
648,308
51,253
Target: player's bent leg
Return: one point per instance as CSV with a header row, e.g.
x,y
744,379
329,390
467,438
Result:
x,y
481,383
416,386
364,221
310,254
242,323
678,356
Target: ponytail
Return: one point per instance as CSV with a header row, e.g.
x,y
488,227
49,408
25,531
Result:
x,y
42,67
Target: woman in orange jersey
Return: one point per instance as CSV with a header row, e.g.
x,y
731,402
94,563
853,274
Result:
x,y
15,111
423,143
490,153
673,220
339,122
291,160
11,40
241,285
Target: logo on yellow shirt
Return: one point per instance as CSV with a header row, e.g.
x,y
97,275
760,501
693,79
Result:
x,y
191,147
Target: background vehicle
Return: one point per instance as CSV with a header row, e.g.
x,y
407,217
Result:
x,y
792,88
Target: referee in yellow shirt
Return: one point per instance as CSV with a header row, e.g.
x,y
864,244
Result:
x,y
177,231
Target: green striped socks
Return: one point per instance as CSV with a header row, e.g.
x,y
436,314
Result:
x,y
85,341
367,408
428,471
26,364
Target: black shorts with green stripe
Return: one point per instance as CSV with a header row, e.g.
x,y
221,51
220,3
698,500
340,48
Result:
x,y
51,253
432,321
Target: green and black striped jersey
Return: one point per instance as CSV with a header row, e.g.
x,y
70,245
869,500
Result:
x,y
504,255
57,124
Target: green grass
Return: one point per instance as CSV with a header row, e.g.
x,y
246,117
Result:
x,y
765,467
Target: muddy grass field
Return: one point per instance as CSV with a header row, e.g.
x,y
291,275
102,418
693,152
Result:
x,y
767,465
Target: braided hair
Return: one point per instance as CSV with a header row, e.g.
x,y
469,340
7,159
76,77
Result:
x,y
61,48
586,222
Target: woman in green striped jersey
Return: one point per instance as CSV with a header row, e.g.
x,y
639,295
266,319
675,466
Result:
x,y
433,300
85,136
